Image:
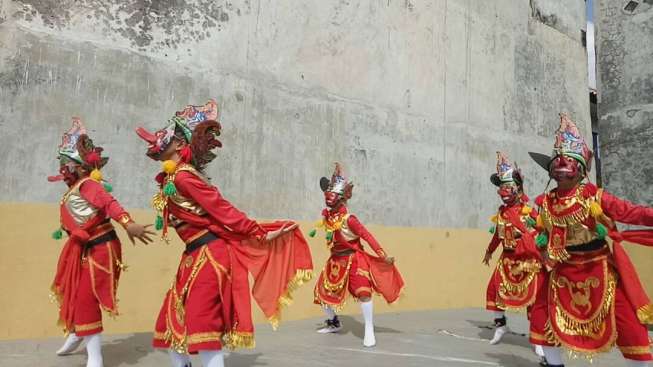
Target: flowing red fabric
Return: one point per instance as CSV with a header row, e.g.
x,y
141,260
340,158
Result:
x,y
628,275
68,272
386,278
278,267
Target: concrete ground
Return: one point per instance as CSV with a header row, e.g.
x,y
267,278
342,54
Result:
x,y
430,338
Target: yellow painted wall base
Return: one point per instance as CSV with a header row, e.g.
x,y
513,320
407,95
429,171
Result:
x,y
442,269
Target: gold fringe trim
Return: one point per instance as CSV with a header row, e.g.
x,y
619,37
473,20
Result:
x,y
301,276
645,314
531,267
235,339
588,328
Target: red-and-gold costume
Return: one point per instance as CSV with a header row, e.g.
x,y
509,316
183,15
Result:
x,y
518,274
208,305
350,268
593,297
90,262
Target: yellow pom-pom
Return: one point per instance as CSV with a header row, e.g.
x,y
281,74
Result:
x,y
169,166
493,219
538,222
595,209
526,210
96,175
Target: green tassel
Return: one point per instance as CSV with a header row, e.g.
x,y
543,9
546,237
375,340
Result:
x,y
107,187
329,236
601,231
492,229
542,240
312,233
531,222
58,234
169,189
158,223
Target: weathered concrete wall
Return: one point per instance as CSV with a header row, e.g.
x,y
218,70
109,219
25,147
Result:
x,y
414,96
625,85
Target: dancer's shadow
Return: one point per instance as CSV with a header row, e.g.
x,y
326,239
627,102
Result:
x,y
486,331
511,360
244,360
128,350
357,328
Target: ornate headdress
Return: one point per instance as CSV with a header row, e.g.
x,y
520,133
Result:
x,y
569,142
77,148
506,172
197,125
338,183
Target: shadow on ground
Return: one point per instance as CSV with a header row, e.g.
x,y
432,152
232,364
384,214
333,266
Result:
x,y
357,328
128,350
512,360
486,331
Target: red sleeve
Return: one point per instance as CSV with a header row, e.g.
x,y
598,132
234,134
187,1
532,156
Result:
x,y
93,192
494,243
626,212
359,229
209,198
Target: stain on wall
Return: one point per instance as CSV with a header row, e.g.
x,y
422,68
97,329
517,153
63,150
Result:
x,y
147,24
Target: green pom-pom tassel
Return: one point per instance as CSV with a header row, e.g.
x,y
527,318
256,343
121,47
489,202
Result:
x,y
107,187
329,236
58,234
531,222
312,233
542,240
158,223
492,229
169,189
601,231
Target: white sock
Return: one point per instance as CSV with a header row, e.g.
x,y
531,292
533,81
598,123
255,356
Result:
x,y
329,312
368,315
212,358
633,363
72,342
499,314
94,350
552,355
538,350
178,359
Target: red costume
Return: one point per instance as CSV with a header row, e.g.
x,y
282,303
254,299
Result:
x,y
517,276
350,268
593,297
208,304
90,262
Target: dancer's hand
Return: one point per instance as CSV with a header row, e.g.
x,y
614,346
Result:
x,y
487,258
389,260
281,231
139,231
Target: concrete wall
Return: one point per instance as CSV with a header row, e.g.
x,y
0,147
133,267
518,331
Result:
x,y
413,96
625,106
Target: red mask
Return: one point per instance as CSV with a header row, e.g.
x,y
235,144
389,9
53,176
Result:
x,y
69,174
331,199
508,193
565,168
